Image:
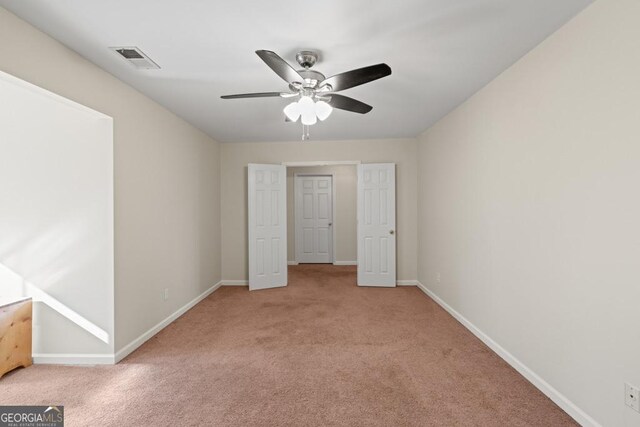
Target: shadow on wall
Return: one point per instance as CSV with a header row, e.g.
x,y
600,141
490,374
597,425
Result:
x,y
15,286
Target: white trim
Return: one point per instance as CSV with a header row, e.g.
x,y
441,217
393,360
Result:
x,y
334,217
333,213
235,283
407,282
322,163
133,345
58,98
561,400
292,262
73,359
345,262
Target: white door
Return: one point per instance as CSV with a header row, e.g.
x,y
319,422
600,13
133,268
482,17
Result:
x,y
377,224
267,226
314,218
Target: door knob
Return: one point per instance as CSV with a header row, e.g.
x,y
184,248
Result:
x,y
391,231
330,224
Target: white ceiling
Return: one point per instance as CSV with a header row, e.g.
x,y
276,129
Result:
x,y
440,51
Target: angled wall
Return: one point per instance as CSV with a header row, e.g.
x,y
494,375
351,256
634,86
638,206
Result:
x,y
167,199
56,217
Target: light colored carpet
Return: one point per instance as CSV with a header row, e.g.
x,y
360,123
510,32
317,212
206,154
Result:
x,y
321,352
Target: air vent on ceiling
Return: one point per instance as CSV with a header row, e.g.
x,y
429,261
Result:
x,y
135,57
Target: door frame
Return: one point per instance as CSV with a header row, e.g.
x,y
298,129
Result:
x,y
297,220
321,163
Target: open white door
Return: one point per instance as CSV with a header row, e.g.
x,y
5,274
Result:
x,y
267,226
377,224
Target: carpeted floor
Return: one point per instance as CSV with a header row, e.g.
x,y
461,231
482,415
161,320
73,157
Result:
x,y
320,352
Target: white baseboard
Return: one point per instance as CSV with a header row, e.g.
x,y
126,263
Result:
x,y
407,283
561,400
73,359
235,283
334,263
133,345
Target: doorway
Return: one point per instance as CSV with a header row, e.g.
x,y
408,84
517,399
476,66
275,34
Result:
x,y
343,212
272,229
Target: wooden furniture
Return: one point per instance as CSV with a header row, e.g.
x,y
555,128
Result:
x,y
15,335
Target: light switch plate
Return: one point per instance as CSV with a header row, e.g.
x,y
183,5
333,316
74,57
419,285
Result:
x,y
632,396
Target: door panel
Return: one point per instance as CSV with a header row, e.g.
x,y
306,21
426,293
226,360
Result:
x,y
376,225
323,241
314,218
267,226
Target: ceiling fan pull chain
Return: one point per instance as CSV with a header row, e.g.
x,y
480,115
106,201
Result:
x,y
305,132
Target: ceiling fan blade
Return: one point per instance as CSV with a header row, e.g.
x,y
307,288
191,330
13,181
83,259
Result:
x,y
280,66
349,104
254,95
357,77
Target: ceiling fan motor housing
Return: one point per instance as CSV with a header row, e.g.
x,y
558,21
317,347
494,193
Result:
x,y
311,79
306,58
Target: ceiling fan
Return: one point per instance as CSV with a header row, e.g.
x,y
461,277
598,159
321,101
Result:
x,y
315,94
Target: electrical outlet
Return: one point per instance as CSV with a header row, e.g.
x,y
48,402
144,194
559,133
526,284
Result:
x,y
438,277
632,396
166,294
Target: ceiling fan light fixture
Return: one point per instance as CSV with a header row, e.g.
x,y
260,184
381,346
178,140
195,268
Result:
x,y
307,109
309,119
323,110
306,105
292,111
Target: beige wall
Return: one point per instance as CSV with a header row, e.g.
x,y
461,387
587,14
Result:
x,y
167,200
527,200
234,190
345,197
529,209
